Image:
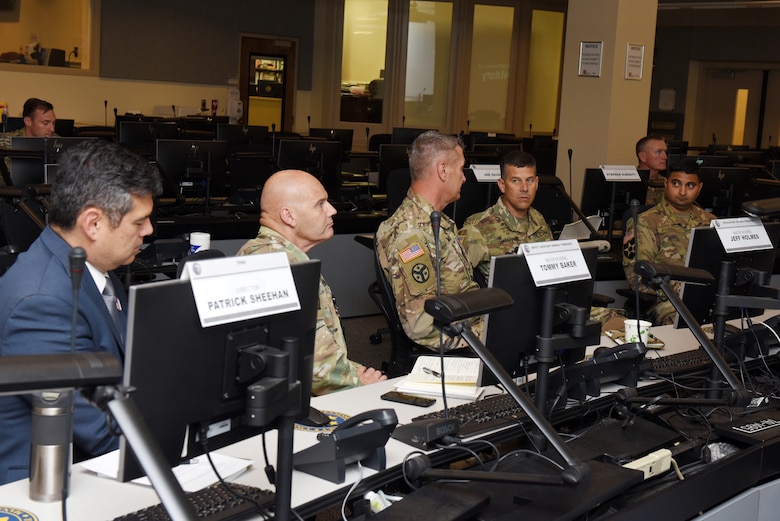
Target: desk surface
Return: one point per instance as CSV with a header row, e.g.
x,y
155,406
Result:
x,y
95,498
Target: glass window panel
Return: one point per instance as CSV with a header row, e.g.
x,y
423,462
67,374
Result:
x,y
41,32
489,76
363,60
544,71
428,64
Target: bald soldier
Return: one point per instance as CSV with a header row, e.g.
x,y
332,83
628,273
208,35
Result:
x,y
405,241
500,229
295,216
664,231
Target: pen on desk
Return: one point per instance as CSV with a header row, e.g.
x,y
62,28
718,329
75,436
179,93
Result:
x,y
428,370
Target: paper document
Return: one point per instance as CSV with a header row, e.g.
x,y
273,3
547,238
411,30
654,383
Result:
x,y
195,475
578,230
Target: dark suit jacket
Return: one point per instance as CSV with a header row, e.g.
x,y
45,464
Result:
x,y
35,318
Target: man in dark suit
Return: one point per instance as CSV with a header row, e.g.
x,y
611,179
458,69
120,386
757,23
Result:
x,y
101,201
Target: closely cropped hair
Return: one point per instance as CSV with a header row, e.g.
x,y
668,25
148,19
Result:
x,y
687,166
518,159
640,145
427,148
33,104
101,174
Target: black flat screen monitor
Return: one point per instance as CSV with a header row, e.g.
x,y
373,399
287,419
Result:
x,y
510,334
484,153
236,134
391,157
322,159
552,203
723,189
713,160
597,192
405,136
184,375
185,165
705,251
51,147
342,135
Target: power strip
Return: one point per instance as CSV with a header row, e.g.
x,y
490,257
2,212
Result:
x,y
653,464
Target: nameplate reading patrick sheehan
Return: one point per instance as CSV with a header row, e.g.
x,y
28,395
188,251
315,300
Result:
x,y
554,262
230,289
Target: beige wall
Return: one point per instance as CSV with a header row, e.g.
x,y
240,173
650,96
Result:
x,y
58,24
81,97
602,118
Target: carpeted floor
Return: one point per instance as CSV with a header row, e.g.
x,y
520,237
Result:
x,y
357,331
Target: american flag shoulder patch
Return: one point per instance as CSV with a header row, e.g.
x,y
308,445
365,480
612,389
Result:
x,y
411,253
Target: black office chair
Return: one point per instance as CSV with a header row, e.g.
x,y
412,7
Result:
x,y
646,300
403,350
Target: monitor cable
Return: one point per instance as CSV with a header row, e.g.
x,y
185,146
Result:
x,y
204,444
436,226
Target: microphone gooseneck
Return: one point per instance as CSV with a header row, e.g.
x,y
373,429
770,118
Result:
x,y
436,226
634,205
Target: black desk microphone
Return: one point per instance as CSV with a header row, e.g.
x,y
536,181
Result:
x,y
634,205
436,226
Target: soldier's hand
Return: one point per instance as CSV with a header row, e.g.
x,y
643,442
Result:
x,y
369,375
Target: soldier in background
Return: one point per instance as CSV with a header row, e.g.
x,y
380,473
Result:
x,y
405,241
653,154
664,230
511,221
295,216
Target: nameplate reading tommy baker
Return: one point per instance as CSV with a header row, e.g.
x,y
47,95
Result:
x,y
239,288
553,262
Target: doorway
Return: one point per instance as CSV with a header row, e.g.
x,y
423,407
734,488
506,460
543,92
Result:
x,y
267,81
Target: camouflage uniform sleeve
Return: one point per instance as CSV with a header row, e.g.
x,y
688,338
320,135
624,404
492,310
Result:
x,y
333,371
629,254
475,247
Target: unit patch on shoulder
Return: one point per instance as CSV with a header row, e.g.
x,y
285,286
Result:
x,y
411,253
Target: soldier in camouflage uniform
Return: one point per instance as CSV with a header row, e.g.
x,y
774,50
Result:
x,y
511,221
296,216
39,119
652,154
405,242
664,230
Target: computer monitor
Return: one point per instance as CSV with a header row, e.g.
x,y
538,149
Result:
x,y
746,157
184,375
342,135
322,159
713,160
490,153
705,251
723,189
552,203
597,192
405,136
186,165
511,334
391,157
52,147
236,134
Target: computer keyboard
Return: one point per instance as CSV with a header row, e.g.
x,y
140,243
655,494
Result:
x,y
213,503
680,363
490,413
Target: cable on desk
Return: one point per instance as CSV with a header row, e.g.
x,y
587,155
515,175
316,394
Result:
x,y
351,490
403,467
205,446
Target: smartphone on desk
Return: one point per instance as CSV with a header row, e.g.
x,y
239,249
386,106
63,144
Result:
x,y
410,399
619,337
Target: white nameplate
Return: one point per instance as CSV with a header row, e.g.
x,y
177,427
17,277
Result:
x,y
486,173
230,289
620,173
742,234
554,262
